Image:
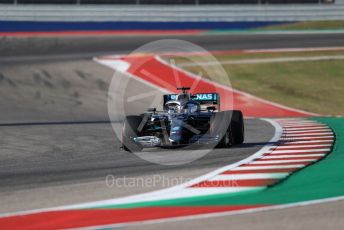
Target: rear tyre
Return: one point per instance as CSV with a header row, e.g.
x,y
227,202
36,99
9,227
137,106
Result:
x,y
226,141
220,126
130,131
237,127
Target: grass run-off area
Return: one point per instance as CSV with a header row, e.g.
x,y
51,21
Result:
x,y
309,25
316,86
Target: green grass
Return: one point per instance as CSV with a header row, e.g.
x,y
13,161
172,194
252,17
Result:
x,y
309,25
314,86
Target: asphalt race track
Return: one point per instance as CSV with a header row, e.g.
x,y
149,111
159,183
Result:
x,y
57,145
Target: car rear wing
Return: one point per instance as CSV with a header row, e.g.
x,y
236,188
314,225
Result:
x,y
202,98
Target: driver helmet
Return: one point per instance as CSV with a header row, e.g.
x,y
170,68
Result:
x,y
174,108
191,108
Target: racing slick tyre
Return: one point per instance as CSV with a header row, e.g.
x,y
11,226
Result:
x,y
130,131
237,127
220,125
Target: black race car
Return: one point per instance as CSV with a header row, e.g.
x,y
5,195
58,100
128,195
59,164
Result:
x,y
186,119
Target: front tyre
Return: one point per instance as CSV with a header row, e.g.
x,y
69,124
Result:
x,y
129,132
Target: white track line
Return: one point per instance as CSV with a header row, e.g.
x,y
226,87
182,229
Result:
x,y
296,121
307,138
281,161
266,60
280,120
303,124
300,151
309,131
304,128
293,156
307,134
217,214
267,160
297,164
302,146
196,191
249,176
280,50
319,126
267,167
307,142
299,123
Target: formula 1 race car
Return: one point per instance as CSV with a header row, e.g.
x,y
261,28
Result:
x,y
186,119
